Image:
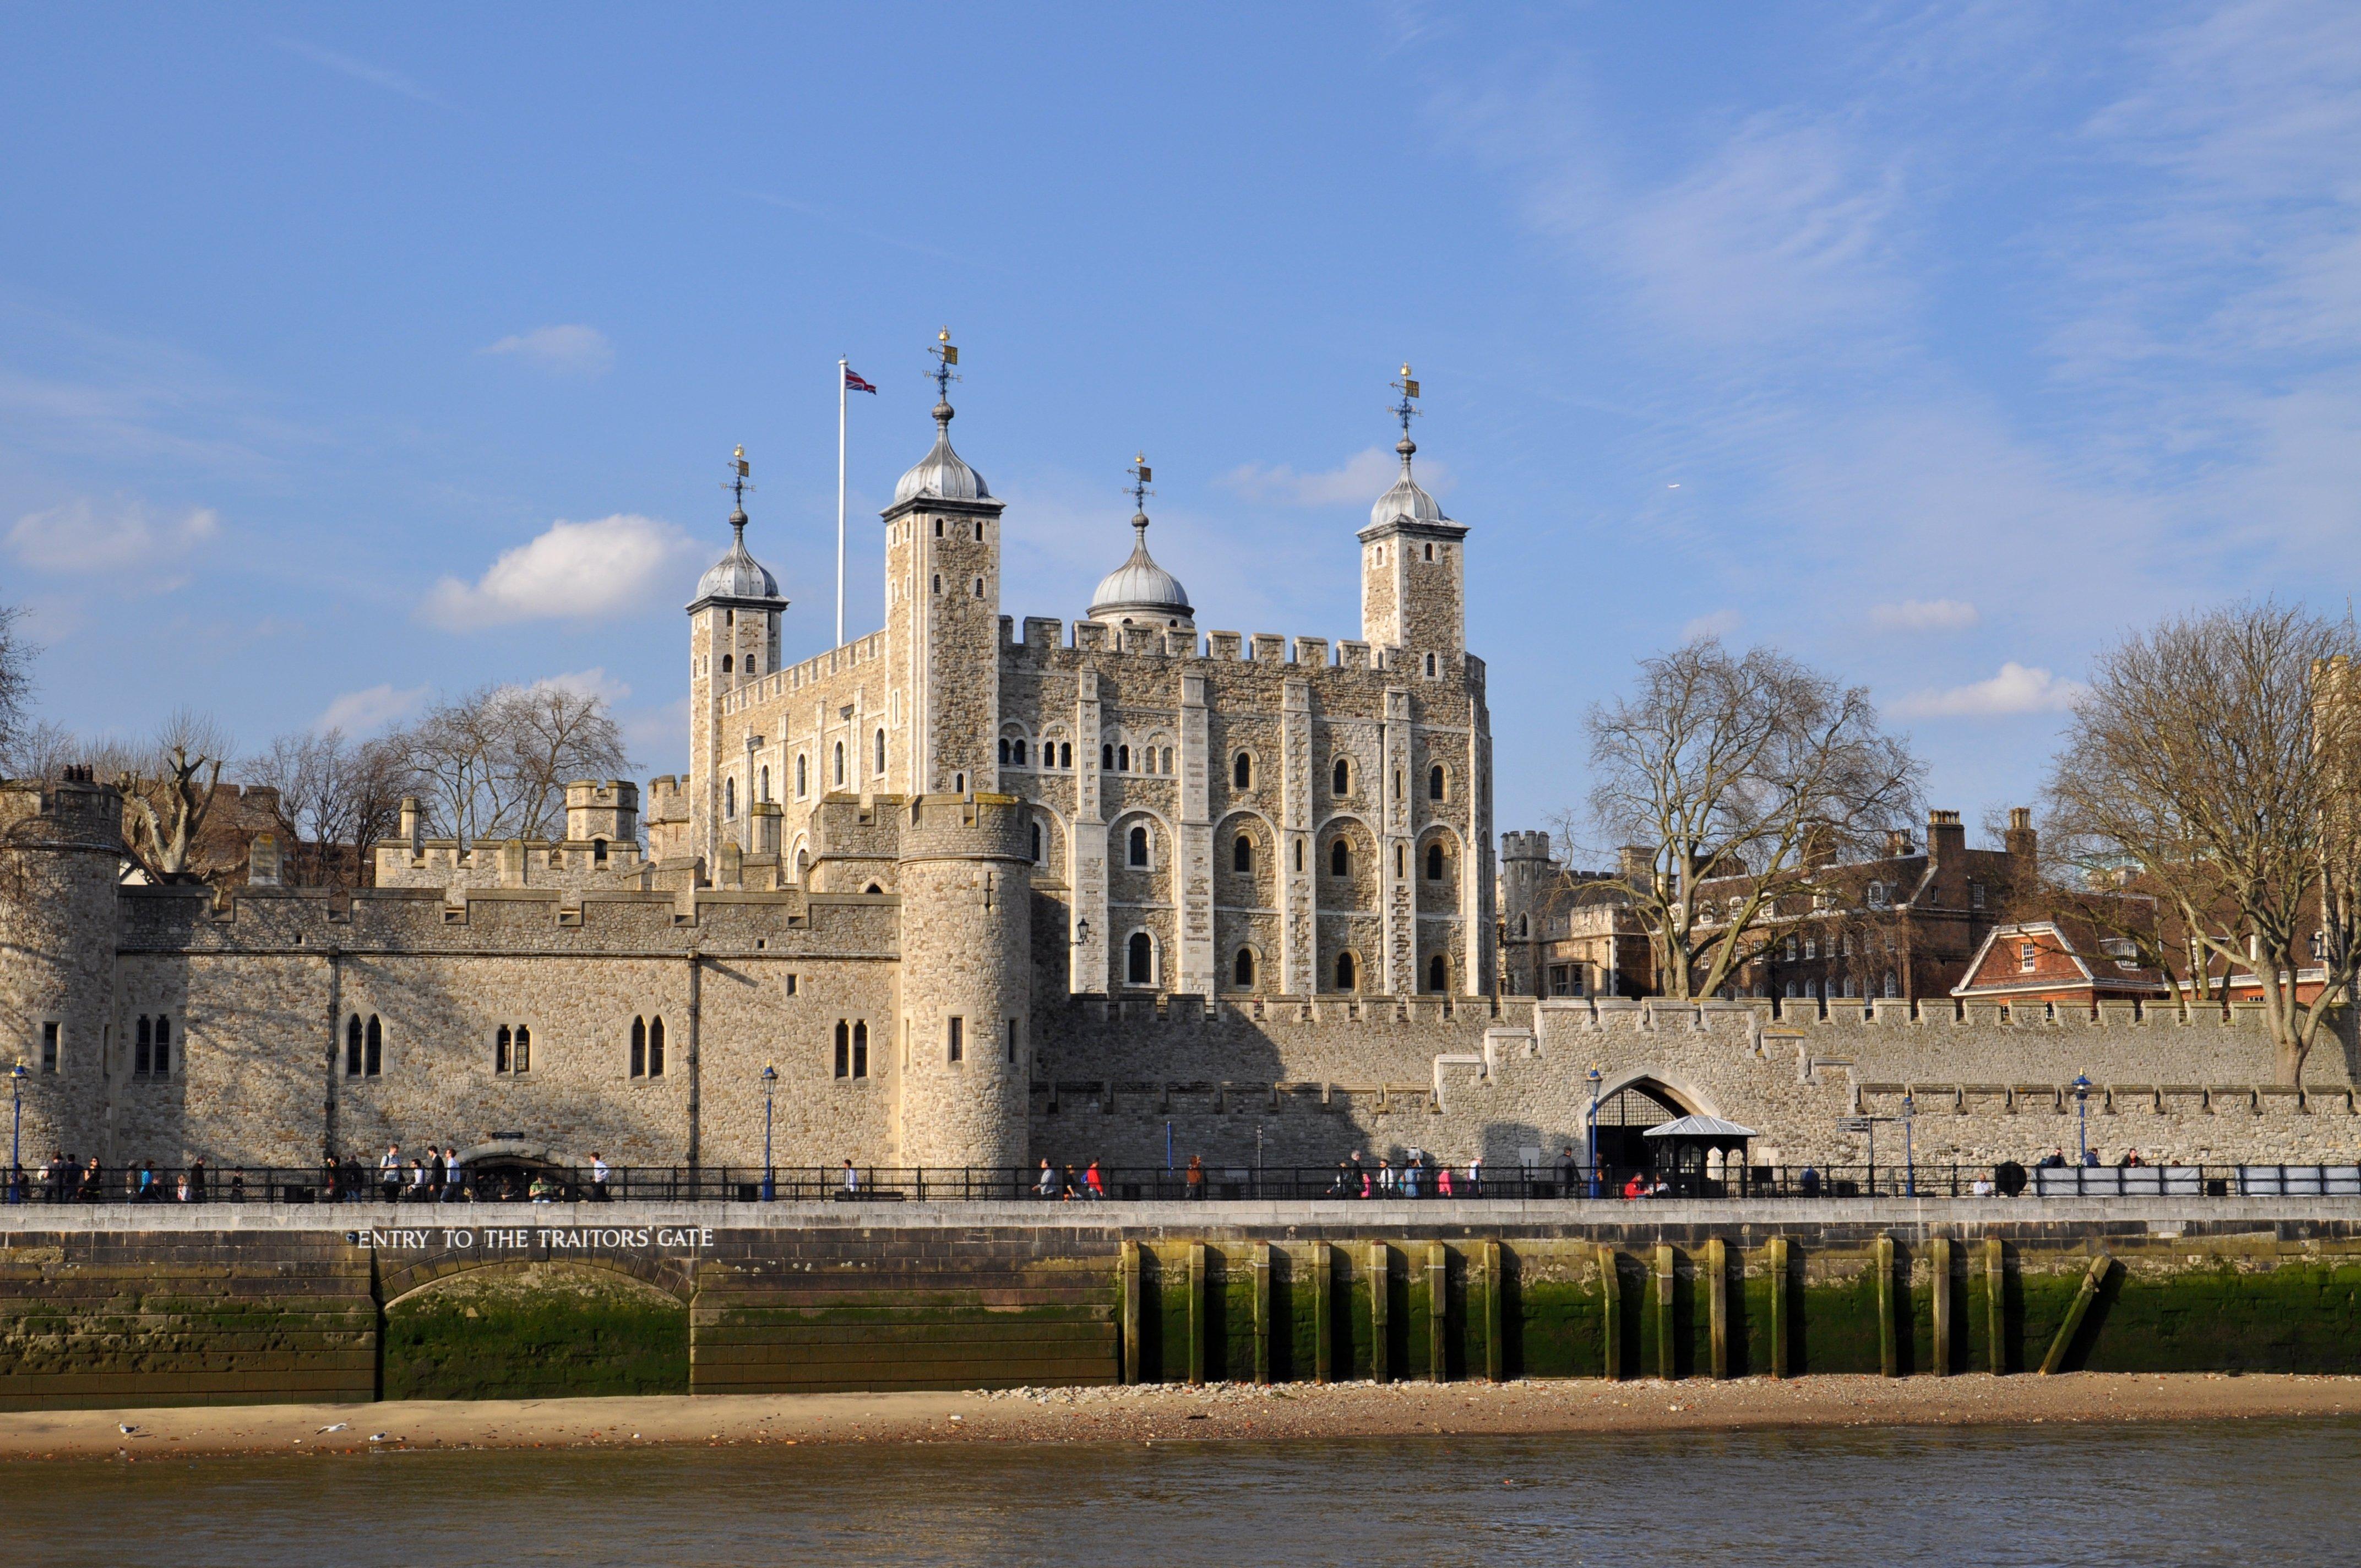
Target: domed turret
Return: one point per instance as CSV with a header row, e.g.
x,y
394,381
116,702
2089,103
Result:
x,y
941,473
1407,500
1140,591
738,575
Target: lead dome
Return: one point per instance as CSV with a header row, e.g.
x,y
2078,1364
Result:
x,y
1140,591
1407,501
941,474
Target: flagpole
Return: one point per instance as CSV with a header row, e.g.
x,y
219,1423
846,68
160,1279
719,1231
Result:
x,y
841,367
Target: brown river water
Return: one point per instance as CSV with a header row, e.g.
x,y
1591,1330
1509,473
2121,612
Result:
x,y
2280,1494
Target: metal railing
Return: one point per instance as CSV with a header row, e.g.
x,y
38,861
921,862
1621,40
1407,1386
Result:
x,y
150,1184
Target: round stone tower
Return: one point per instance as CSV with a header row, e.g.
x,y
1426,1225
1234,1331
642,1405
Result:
x,y
60,857
965,867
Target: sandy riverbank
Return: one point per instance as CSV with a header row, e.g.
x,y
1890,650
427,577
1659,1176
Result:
x,y
1169,1414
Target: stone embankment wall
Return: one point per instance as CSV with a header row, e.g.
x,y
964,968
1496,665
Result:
x,y
99,1309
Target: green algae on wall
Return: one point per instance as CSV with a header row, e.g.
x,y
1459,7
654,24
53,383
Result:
x,y
546,1331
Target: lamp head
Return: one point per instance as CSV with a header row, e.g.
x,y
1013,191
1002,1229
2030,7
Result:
x,y
770,1074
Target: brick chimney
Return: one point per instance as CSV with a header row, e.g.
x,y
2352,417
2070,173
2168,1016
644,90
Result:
x,y
1946,838
1898,843
1636,863
2021,841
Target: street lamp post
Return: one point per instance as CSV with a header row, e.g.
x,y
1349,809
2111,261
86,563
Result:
x,y
2081,1120
1594,1129
1909,1152
16,1076
769,1082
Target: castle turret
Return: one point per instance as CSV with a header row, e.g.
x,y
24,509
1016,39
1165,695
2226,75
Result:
x,y
942,621
1413,577
61,859
1525,872
965,867
733,638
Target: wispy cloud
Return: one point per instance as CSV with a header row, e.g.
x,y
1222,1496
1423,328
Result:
x,y
572,571
1924,615
124,534
592,682
1719,623
563,350
368,712
2018,688
360,71
1364,478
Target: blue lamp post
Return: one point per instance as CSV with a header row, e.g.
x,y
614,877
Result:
x,y
769,1082
1594,1129
16,1076
2081,1119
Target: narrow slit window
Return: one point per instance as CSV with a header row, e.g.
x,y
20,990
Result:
x,y
1011,1039
958,1043
501,1049
639,1064
1242,772
353,1046
1242,854
844,1048
49,1048
655,1048
143,1045
373,1053
861,1049
522,1061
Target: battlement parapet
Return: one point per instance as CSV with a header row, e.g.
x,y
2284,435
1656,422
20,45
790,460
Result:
x,y
1044,635
793,678
74,814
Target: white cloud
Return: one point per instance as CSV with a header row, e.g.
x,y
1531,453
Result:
x,y
592,682
1721,623
80,536
2018,688
364,713
358,70
577,571
1365,476
1924,615
562,350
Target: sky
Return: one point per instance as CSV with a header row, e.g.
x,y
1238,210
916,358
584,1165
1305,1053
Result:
x,y
352,357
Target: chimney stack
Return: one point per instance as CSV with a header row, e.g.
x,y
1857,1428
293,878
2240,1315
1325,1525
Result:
x,y
1946,838
2021,841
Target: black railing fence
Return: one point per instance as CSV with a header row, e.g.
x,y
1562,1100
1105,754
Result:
x,y
511,1183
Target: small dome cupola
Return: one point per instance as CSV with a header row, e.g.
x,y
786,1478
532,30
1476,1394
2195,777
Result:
x,y
941,474
738,575
1139,592
1407,504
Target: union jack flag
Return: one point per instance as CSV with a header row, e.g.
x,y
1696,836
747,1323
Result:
x,y
853,383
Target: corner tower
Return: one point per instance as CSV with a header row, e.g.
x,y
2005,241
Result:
x,y
1413,577
61,859
733,638
943,618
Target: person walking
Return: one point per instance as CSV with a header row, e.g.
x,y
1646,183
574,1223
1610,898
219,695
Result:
x,y
1443,1181
1048,1186
197,1179
389,1172
1476,1176
455,1175
1092,1184
851,1181
436,1171
1195,1178
597,1177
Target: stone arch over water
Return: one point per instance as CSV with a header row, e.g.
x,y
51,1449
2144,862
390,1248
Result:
x,y
526,1328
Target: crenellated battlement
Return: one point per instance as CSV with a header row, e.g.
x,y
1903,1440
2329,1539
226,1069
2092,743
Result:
x,y
860,653
1047,634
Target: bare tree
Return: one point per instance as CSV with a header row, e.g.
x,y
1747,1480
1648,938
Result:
x,y
1755,771
336,798
41,751
16,679
167,792
494,762
2213,764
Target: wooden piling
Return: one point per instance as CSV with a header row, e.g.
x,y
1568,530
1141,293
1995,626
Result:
x,y
1610,1315
1775,1262
1496,1350
2093,1279
1323,1299
1667,1366
1888,1353
1438,1309
1717,1262
1262,1312
1197,1313
1995,1307
1378,1266
1939,1267
1127,1273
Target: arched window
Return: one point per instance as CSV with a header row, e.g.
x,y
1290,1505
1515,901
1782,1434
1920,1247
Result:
x,y
1346,971
1401,861
861,1049
522,1061
163,1048
1341,778
1065,754
1123,759
1140,959
728,798
639,1047
501,1049
1434,782
1138,847
1165,767
881,754
1242,967
1107,757
1003,751
597,851
353,1046
1340,859
1434,861
1017,746
1438,973
803,783
373,1049
1524,922
1892,989
1036,843
655,1048
844,1048
142,1051
1299,857
725,663
1242,772
839,763
1242,854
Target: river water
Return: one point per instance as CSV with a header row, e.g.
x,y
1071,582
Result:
x,y
2278,1494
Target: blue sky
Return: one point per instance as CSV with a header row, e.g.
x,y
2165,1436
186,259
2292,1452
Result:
x,y
349,356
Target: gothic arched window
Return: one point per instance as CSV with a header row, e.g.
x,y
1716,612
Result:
x,y
839,763
1346,971
1340,859
1341,779
1438,973
655,1048
1242,772
639,1065
1434,863
1434,782
1242,970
